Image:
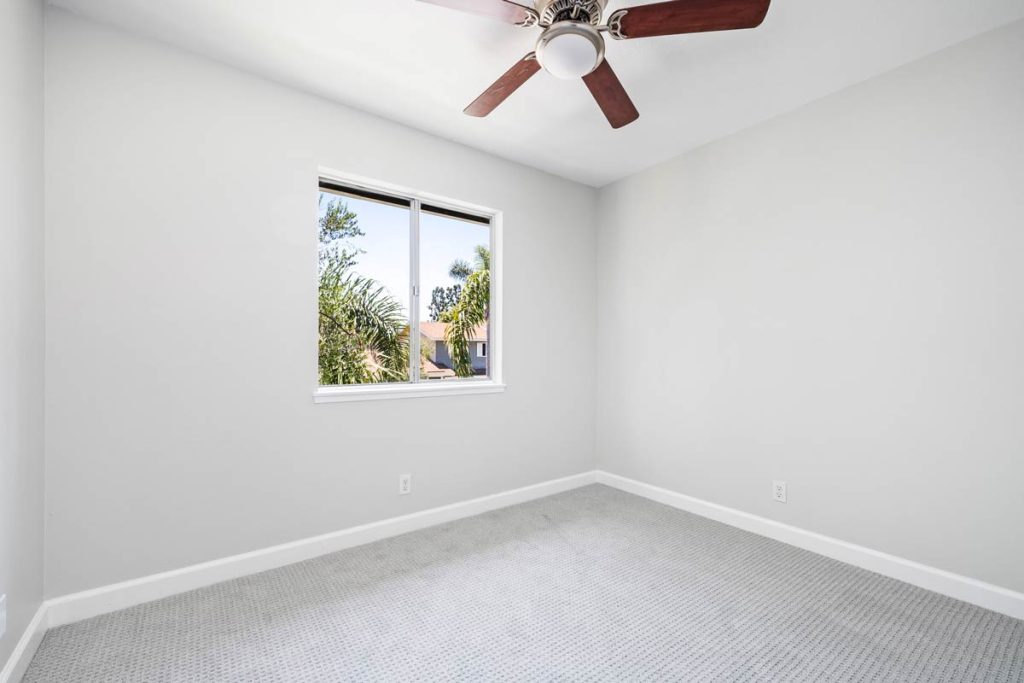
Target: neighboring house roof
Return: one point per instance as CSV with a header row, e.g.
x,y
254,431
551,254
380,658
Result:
x,y
435,331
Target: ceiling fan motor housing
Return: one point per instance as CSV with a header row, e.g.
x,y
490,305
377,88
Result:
x,y
584,11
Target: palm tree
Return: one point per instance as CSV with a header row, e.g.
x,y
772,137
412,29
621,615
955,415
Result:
x,y
364,332
472,309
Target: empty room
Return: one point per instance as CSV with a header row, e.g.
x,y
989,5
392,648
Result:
x,y
511,340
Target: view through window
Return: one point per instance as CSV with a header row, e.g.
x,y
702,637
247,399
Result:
x,y
404,289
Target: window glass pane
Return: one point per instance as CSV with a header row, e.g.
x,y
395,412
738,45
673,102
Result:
x,y
455,277
364,290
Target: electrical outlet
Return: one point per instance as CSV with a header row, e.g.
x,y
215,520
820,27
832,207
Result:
x,y
779,491
3,615
404,484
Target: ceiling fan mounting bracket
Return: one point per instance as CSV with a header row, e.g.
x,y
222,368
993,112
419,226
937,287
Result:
x,y
615,25
532,19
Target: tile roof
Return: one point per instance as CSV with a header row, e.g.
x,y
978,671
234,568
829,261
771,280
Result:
x,y
435,331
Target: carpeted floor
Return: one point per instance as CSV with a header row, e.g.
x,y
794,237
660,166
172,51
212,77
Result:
x,y
594,584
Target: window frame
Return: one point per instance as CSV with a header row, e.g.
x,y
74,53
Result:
x,y
417,387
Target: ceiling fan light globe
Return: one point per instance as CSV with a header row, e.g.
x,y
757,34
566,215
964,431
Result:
x,y
569,50
569,56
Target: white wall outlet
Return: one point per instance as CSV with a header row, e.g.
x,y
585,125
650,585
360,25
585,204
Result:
x,y
779,491
404,484
3,615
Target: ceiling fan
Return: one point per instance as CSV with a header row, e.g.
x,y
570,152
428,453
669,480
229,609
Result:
x,y
572,45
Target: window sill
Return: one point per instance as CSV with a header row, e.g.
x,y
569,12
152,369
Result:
x,y
375,392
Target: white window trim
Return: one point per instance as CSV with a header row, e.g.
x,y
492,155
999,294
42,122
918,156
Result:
x,y
427,388
481,349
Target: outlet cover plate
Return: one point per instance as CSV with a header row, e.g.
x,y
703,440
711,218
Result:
x,y
779,491
404,484
3,615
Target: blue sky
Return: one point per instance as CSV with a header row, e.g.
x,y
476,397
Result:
x,y
386,247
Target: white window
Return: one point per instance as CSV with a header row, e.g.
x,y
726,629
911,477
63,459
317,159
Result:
x,y
407,284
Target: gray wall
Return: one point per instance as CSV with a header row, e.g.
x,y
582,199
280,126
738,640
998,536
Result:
x,y
21,314
839,295
442,357
181,341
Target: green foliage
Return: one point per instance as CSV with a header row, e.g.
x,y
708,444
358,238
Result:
x,y
338,226
460,270
364,333
472,309
443,300
483,258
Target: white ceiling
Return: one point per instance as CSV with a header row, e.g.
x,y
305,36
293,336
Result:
x,y
420,64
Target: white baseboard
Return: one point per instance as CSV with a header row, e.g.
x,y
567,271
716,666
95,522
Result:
x,y
964,588
26,648
91,603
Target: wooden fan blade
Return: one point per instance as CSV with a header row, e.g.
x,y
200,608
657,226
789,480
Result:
x,y
604,85
503,10
509,82
687,16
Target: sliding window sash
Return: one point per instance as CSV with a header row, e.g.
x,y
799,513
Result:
x,y
414,293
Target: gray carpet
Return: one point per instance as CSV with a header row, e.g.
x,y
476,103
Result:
x,y
590,585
